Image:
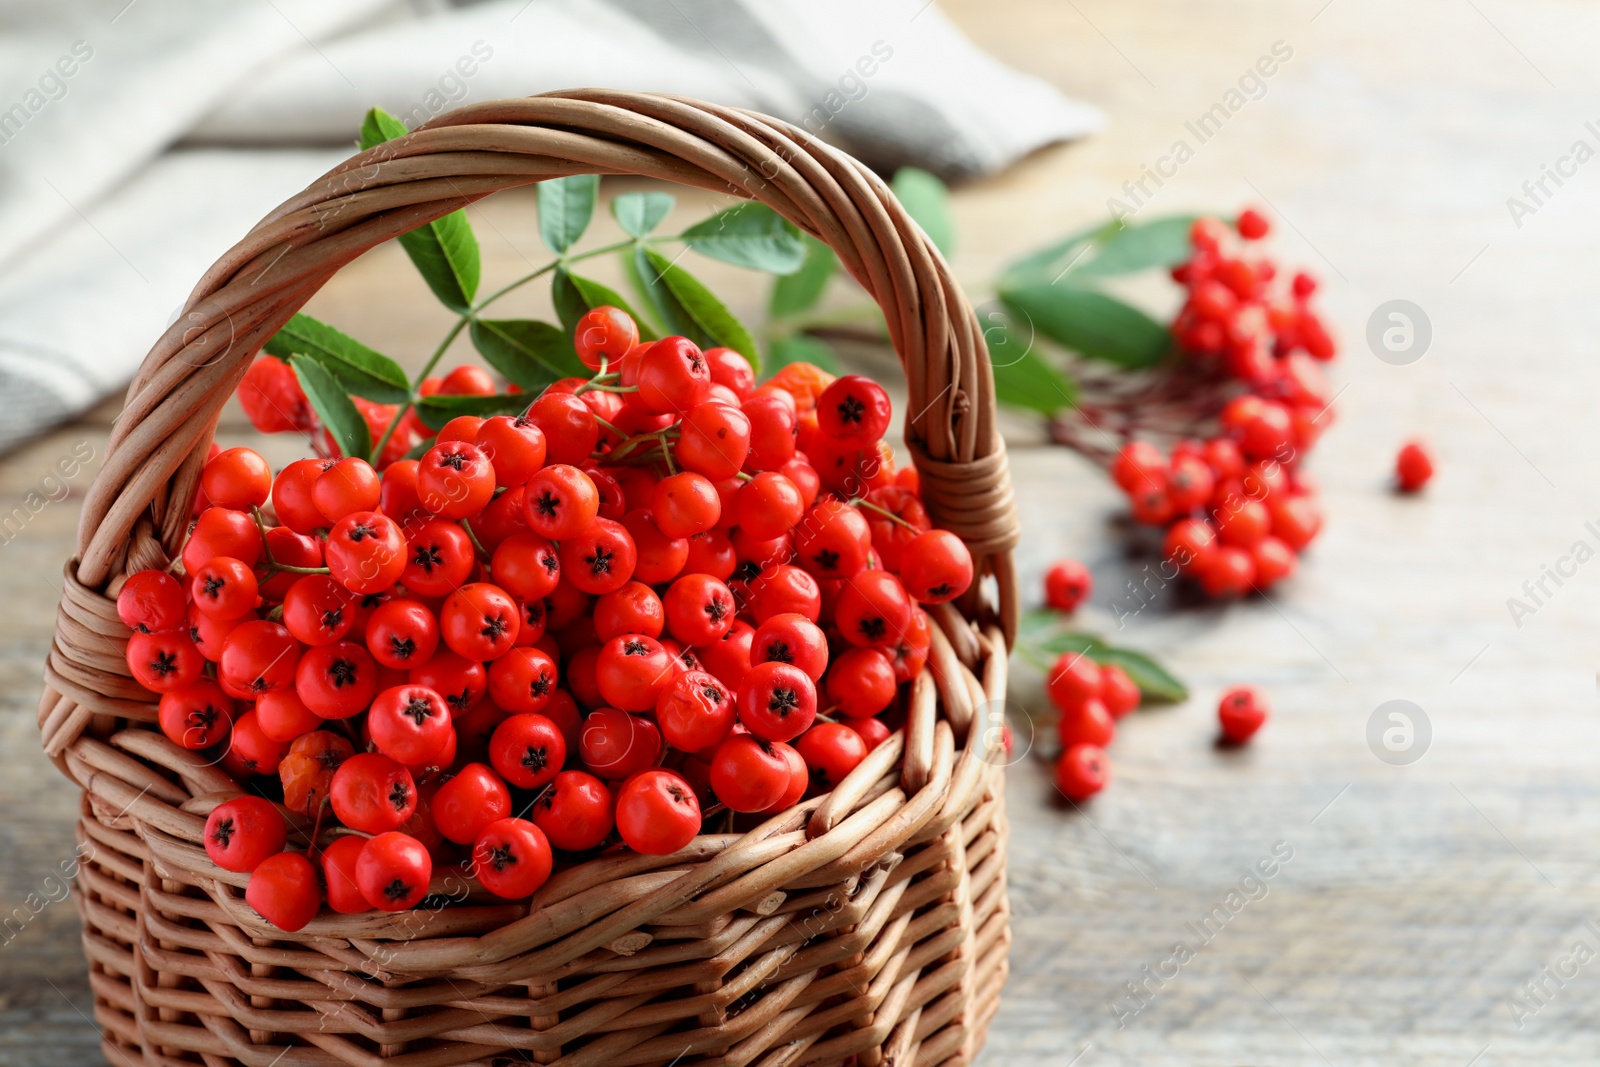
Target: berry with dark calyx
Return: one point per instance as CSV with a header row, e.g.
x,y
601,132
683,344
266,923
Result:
x,y
632,670
1241,711
560,502
393,870
438,559
337,681
777,701
527,750
1082,771
461,681
699,609
1413,467
523,680
409,723
455,479
479,622
257,657
196,716
372,793
242,832
791,638
511,858
935,567
576,813
366,553
695,711
526,566
1067,584
318,610
165,661
854,408
833,540
657,813
402,634
284,891
831,751
601,558
873,609
673,376
467,803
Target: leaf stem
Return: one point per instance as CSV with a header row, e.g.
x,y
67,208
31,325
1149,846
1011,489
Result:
x,y
546,269
427,369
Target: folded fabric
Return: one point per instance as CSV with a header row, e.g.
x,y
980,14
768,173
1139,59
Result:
x,y
102,235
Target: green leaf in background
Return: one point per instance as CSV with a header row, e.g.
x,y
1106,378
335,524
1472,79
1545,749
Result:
x,y
565,207
655,295
530,353
1134,247
1031,382
1091,323
802,348
359,369
574,295
800,291
707,312
640,213
435,411
1048,263
333,406
927,200
1041,635
445,251
749,235
1153,680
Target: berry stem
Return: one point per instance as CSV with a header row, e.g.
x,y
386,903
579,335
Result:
x,y
272,564
472,535
863,502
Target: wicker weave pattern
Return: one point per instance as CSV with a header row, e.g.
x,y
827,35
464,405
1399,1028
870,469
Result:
x,y
870,922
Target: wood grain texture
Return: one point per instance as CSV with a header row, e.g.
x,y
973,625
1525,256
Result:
x,y
1423,897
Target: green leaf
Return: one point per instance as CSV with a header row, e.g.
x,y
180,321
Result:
x,y
675,318
530,353
444,251
749,235
565,207
800,291
801,348
333,406
1023,376
574,295
436,410
361,370
705,311
379,126
1139,246
1091,323
1047,264
1153,680
927,200
1034,625
640,213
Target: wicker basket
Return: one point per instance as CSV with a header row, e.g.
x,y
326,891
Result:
x,y
867,925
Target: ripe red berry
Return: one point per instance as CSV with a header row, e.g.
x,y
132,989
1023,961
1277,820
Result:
x,y
1073,679
151,601
747,774
455,480
935,567
511,858
467,803
515,447
438,559
372,793
1263,426
673,376
1227,573
872,609
366,552
861,682
686,504
576,813
1067,584
1188,544
714,440
409,723
831,751
479,622
657,813
731,369
338,862
1117,691
699,609
1413,467
1082,771
874,733
283,716
461,681
523,680
272,398
632,609
1296,520
526,566
1139,466
283,890
238,478
242,832
601,558
659,558
318,610
833,540
349,486
291,495
1274,561
768,505
773,428
604,334
631,671
527,750
1243,523
561,502
781,589
1090,722
854,408
1252,225
196,716
777,701
402,634
257,657
337,681
615,744
696,711
467,380
392,871
790,638
222,532
1241,712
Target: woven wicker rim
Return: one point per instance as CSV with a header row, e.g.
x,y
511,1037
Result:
x,y
911,789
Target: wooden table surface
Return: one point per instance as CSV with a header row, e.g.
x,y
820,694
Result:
x,y
1408,905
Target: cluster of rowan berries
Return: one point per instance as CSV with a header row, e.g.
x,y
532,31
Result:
x,y
1236,506
660,589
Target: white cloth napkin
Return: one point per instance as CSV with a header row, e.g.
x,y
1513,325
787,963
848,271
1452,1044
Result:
x,y
140,138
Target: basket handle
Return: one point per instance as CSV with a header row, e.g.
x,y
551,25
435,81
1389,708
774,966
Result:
x,y
137,509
